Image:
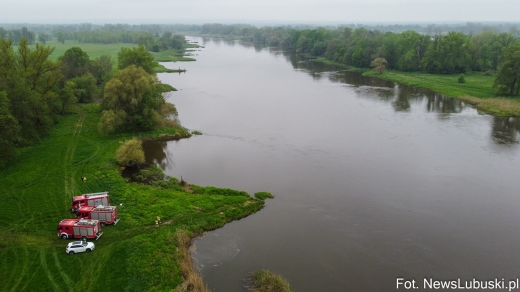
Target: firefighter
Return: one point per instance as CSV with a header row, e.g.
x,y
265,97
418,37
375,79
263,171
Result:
x,y
84,179
156,223
158,219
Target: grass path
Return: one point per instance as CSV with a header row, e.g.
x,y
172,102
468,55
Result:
x,y
69,172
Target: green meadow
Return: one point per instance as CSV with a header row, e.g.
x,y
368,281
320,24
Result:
x,y
133,255
93,50
476,84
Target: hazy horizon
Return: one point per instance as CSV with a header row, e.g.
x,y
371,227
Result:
x,y
267,12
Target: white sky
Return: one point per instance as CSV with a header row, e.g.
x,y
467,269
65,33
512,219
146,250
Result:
x,y
257,11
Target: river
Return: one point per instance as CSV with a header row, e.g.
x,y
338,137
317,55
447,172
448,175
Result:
x,y
373,181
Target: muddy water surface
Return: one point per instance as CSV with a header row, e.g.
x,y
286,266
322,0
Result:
x,y
373,180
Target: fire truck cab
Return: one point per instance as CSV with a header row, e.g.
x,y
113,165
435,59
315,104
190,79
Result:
x,y
79,228
105,214
92,199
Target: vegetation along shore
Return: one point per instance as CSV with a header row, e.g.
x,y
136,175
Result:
x,y
69,122
481,67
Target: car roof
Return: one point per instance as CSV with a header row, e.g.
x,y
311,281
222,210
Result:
x,y
79,242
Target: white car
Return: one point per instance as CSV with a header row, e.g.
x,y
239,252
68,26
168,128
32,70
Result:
x,y
80,246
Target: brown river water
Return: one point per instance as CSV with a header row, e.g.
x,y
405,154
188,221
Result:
x,y
373,181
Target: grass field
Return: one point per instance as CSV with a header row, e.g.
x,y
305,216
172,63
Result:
x,y
96,50
476,84
134,255
93,50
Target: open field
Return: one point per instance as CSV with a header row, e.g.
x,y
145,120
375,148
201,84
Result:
x,y
93,50
130,256
96,50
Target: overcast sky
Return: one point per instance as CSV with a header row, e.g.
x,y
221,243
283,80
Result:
x,y
257,11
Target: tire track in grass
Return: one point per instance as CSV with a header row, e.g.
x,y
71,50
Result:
x,y
64,275
22,264
69,174
96,267
43,262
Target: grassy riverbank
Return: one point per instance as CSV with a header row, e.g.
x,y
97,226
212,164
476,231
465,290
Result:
x,y
477,89
134,255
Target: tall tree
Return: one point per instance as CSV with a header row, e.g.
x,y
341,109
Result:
x,y
132,102
507,80
74,63
448,54
101,68
139,57
30,81
9,132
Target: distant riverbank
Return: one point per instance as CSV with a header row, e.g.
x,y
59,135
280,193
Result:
x,y
477,89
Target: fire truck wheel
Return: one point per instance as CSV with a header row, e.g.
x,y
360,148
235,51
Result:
x,y
64,236
71,252
89,250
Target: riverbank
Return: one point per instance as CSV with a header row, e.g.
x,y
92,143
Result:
x,y
133,255
477,89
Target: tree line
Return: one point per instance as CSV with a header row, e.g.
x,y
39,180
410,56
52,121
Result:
x,y
35,91
489,52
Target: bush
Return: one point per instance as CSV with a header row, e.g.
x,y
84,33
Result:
x,y
488,73
130,153
263,195
461,78
264,281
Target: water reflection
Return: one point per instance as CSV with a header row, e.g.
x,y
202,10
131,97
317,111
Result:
x,y
400,97
505,130
156,152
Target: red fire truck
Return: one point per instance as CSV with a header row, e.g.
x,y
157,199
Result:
x,y
79,228
105,214
93,199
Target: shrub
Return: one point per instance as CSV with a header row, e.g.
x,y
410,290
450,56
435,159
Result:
x,y
263,195
264,281
488,73
461,78
130,153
